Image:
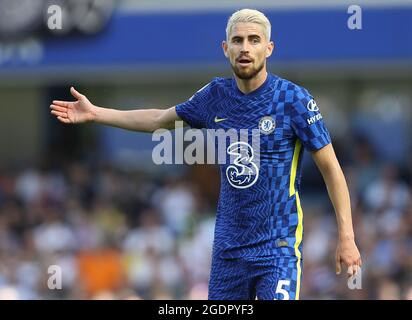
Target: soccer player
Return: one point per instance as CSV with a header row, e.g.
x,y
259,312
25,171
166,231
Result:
x,y
257,250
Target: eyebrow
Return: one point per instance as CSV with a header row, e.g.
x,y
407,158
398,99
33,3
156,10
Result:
x,y
249,36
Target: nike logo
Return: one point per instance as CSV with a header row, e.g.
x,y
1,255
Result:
x,y
219,119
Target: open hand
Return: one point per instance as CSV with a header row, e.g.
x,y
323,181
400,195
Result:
x,y
78,111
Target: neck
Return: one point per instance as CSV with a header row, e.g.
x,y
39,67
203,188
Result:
x,y
249,85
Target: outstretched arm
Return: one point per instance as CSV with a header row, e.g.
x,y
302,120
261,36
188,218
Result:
x,y
347,251
82,110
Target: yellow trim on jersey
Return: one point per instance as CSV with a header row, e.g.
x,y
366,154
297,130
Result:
x,y
299,228
298,240
294,168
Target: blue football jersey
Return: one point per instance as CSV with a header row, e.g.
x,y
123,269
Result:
x,y
259,211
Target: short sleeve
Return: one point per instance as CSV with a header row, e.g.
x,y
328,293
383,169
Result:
x,y
194,111
307,121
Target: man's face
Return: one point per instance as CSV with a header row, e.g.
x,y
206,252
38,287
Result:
x,y
247,49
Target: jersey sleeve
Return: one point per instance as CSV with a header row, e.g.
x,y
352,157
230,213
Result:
x,y
307,121
194,111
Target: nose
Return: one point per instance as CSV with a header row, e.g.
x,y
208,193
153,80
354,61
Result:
x,y
245,47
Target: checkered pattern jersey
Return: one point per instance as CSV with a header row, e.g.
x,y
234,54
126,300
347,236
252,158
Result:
x,y
266,218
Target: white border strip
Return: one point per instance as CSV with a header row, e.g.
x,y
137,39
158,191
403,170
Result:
x,y
159,6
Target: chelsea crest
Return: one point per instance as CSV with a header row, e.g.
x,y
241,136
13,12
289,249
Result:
x,y
267,125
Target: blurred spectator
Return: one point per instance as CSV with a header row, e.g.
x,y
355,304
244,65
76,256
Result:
x,y
387,192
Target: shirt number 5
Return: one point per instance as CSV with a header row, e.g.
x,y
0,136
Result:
x,y
280,289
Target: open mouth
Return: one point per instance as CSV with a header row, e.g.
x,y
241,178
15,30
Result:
x,y
244,61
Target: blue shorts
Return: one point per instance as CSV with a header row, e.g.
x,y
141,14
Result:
x,y
263,278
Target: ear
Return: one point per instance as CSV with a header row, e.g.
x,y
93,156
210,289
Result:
x,y
225,47
270,48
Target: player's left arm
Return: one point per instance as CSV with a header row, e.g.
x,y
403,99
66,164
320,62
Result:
x,y
347,251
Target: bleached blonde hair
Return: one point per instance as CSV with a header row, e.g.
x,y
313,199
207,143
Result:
x,y
249,15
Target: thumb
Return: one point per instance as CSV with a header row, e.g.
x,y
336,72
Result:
x,y
75,93
338,266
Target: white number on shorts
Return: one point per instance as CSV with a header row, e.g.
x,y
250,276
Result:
x,y
279,289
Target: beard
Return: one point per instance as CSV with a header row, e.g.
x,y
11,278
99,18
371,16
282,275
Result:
x,y
248,73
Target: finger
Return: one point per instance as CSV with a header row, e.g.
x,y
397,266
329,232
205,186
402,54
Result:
x,y
338,266
350,271
59,114
355,269
61,103
75,93
57,108
358,269
64,120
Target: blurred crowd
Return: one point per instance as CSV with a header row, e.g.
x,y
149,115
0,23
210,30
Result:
x,y
113,234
